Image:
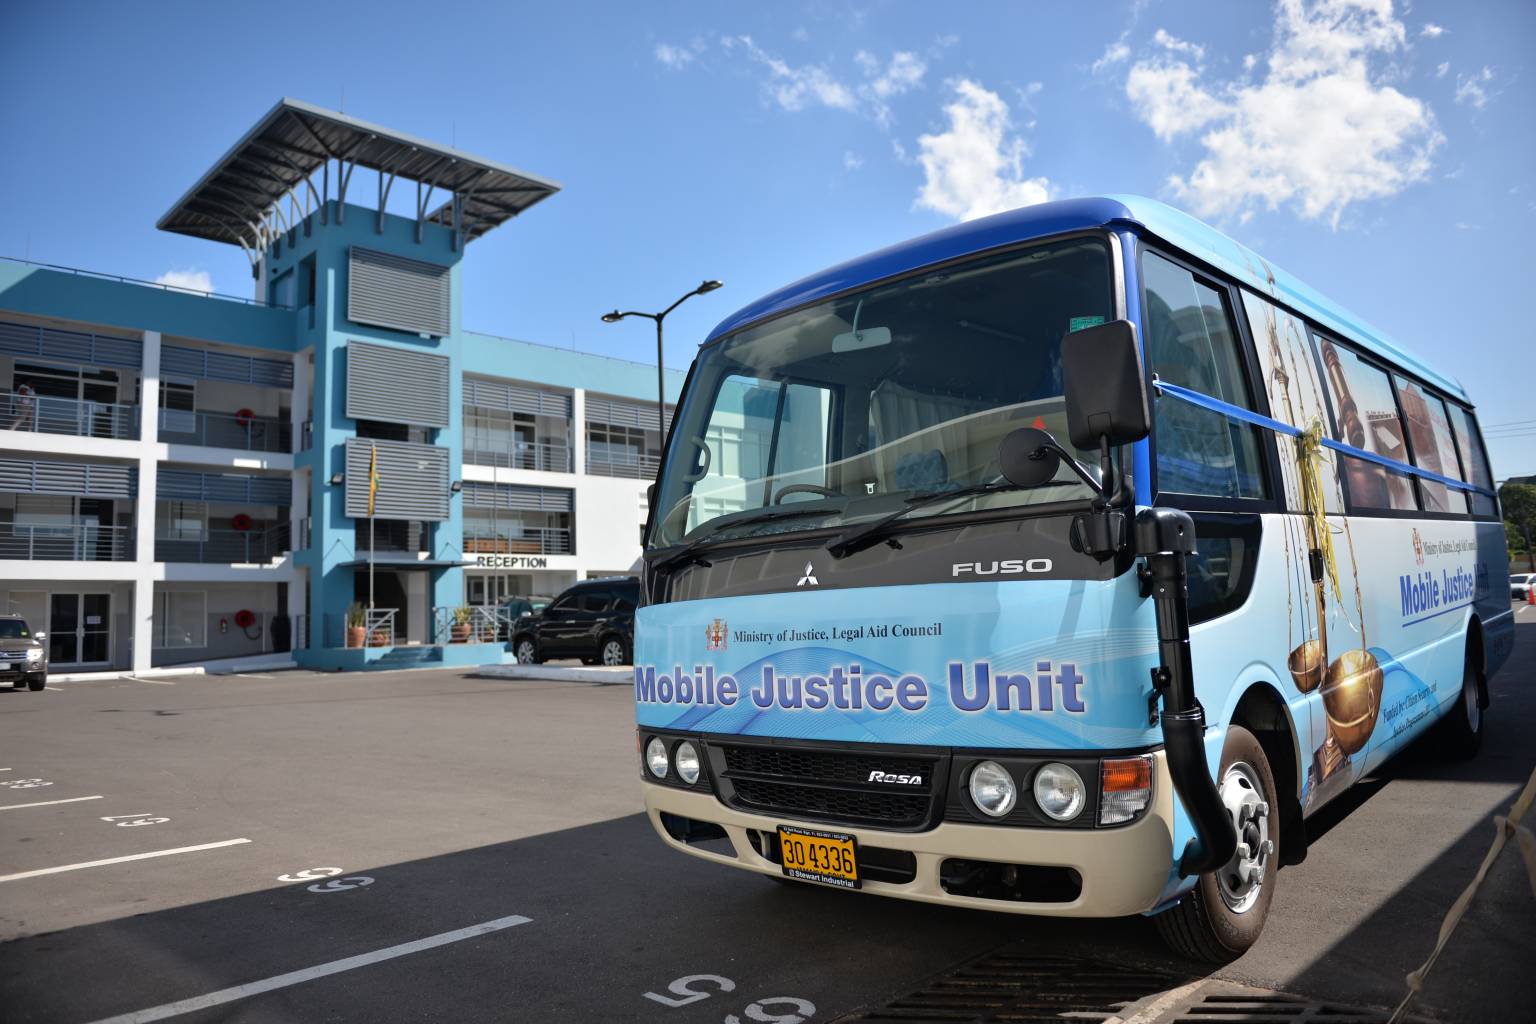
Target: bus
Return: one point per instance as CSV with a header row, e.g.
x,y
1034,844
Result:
x,y
1060,562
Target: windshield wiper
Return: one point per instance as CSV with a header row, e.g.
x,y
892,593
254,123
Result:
x,y
690,552
860,537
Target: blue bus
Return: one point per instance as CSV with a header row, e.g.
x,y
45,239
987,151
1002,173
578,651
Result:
x,y
1062,562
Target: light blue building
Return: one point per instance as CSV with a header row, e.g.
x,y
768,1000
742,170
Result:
x,y
184,478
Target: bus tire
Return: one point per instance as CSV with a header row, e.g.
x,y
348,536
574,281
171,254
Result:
x,y
1221,917
1460,732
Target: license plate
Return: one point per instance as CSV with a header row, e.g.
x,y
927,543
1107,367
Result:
x,y
5,666
814,856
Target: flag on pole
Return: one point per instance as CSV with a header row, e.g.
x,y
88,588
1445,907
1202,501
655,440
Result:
x,y
373,478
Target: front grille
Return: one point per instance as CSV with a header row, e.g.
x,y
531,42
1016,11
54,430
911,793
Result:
x,y
828,785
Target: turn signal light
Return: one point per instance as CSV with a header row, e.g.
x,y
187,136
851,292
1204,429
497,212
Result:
x,y
1125,788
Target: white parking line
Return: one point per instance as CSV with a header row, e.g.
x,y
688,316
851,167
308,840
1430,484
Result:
x,y
253,988
50,803
120,860
157,682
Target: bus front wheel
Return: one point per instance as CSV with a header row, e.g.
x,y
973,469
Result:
x,y
1221,917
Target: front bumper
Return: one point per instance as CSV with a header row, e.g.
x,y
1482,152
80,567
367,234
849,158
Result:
x,y
1123,869
21,668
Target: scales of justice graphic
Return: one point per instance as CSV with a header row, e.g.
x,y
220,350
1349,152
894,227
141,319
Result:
x,y
1350,683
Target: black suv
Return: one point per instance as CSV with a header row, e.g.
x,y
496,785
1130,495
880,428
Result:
x,y
593,621
23,658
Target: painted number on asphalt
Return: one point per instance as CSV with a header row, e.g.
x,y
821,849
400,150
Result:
x,y
803,1010
134,820
685,990
309,874
25,783
341,884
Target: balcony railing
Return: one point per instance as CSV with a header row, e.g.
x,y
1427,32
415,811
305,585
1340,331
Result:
x,y
633,466
226,430
80,542
509,453
251,547
44,414
479,625
140,281
533,540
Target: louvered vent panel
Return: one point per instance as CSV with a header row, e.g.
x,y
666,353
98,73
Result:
x,y
201,364
398,293
620,413
510,397
413,480
85,480
74,346
396,385
515,498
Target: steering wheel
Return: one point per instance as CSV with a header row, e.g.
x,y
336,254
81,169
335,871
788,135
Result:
x,y
826,492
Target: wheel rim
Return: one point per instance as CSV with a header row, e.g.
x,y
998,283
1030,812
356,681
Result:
x,y
1241,880
525,653
1469,701
613,653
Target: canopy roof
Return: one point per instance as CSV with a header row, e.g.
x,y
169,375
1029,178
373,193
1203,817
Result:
x,y
238,198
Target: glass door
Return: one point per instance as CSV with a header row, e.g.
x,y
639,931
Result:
x,y
96,628
64,629
79,629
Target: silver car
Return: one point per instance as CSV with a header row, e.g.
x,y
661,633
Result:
x,y
1520,585
23,657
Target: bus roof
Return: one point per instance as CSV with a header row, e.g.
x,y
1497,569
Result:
x,y
1148,216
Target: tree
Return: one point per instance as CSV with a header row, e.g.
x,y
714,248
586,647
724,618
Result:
x,y
1519,503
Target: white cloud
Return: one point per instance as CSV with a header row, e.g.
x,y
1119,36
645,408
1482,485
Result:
x,y
1320,131
1173,44
795,88
190,279
1469,88
674,57
852,161
1431,30
1114,53
1442,69
975,167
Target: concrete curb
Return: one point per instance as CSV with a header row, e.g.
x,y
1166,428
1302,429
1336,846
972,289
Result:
x,y
555,673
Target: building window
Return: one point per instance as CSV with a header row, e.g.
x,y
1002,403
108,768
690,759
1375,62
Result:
x,y
181,520
181,619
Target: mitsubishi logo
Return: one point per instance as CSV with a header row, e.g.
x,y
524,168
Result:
x,y
809,579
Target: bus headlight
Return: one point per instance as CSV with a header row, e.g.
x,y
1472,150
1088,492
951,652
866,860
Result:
x,y
1059,791
1125,788
992,789
687,761
656,757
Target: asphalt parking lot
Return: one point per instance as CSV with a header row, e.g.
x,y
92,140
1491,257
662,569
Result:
x,y
430,846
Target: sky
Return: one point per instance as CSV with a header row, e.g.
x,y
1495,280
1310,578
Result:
x,y
1381,151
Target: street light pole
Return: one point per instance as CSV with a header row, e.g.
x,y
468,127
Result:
x,y
661,373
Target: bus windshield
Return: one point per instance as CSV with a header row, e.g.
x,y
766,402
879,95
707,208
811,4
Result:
x,y
842,411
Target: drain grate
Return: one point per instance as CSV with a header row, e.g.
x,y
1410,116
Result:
x,y
1275,1008
1011,986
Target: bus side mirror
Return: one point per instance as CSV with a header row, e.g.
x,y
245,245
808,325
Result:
x,y
1106,389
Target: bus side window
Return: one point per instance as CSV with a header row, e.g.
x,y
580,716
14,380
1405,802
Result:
x,y
1430,432
1368,420
1474,460
1192,343
1222,568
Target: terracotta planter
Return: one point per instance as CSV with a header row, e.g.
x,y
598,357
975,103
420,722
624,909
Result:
x,y
355,636
460,632
379,638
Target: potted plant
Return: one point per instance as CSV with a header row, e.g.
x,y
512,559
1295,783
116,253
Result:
x,y
461,629
355,625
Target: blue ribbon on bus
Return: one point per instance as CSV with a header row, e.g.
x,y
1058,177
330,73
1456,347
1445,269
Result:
x,y
1234,412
